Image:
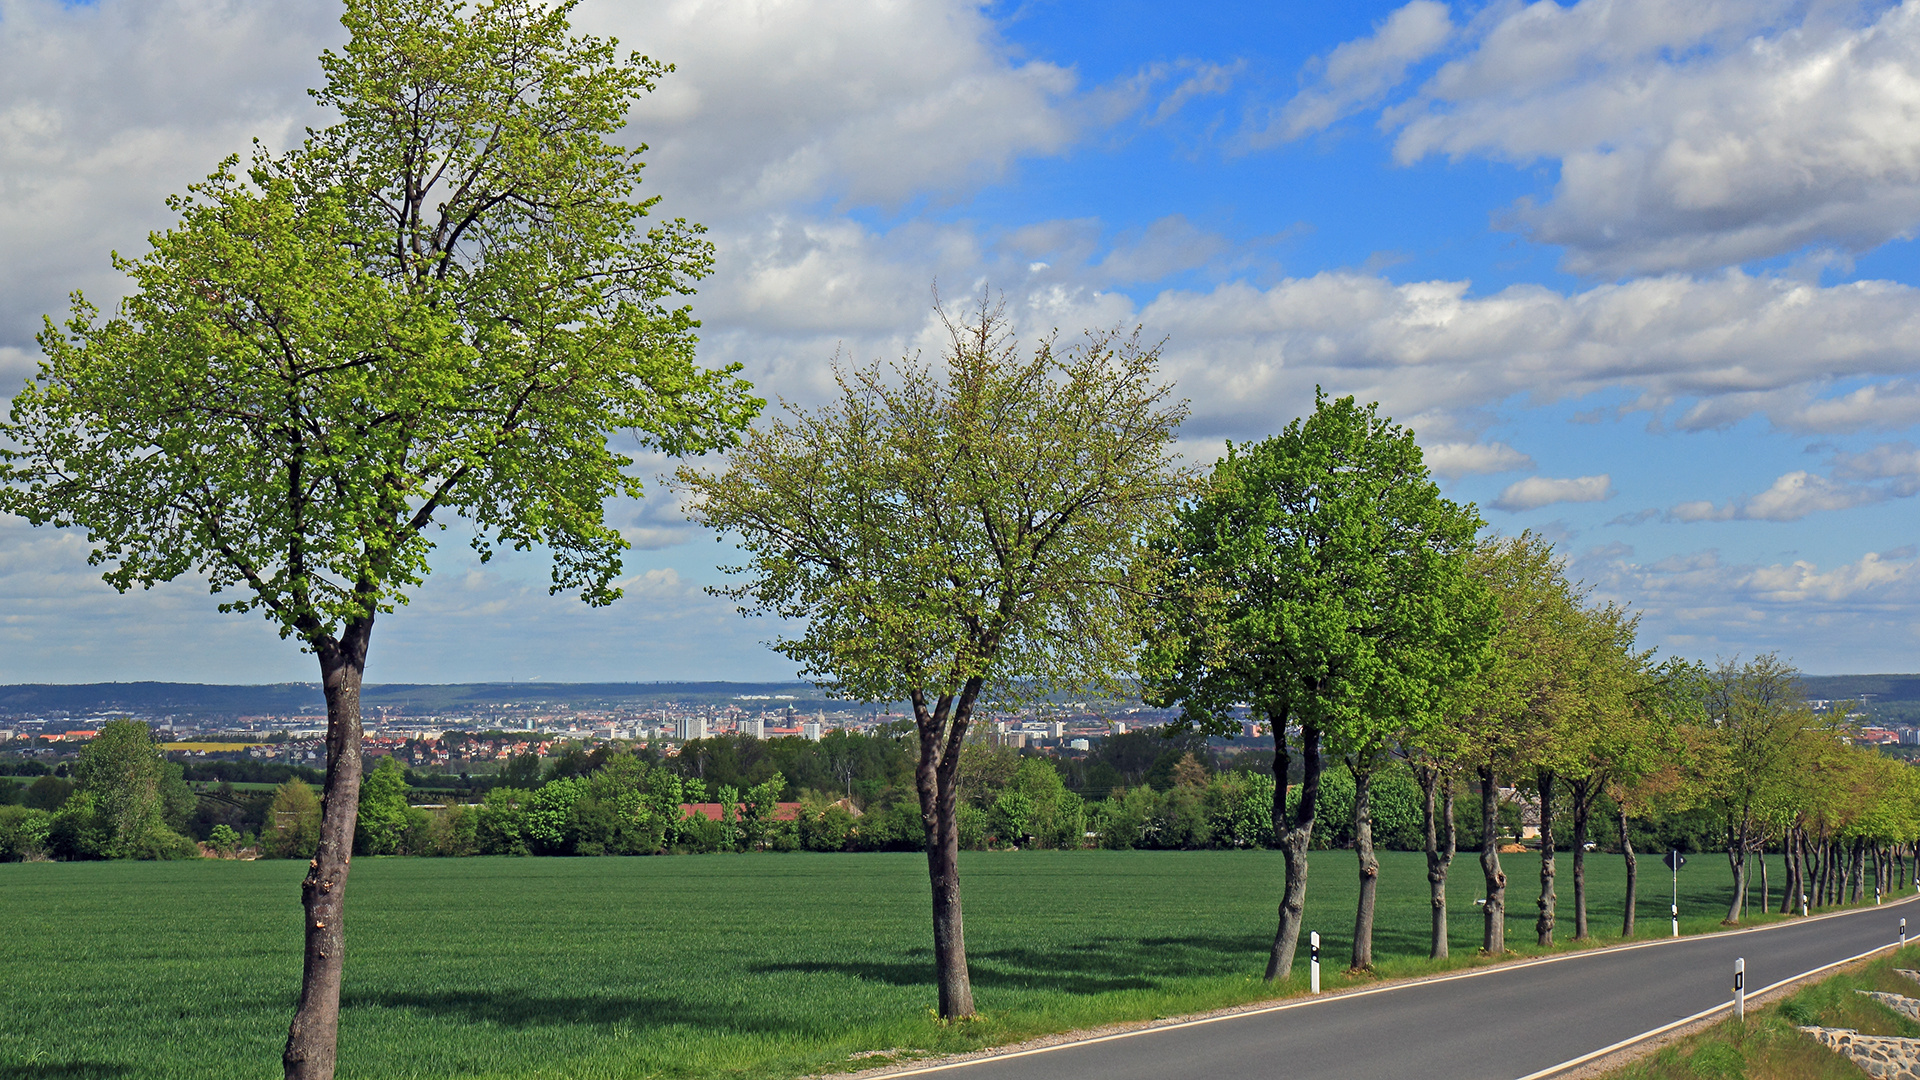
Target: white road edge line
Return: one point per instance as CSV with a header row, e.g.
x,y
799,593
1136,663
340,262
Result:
x,y
1491,969
1701,1015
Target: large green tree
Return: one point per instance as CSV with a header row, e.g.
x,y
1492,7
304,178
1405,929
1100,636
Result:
x,y
1321,579
130,790
947,534
1515,702
438,306
1756,714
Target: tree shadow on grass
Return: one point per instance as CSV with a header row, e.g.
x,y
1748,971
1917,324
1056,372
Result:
x,y
1099,965
516,1009
64,1070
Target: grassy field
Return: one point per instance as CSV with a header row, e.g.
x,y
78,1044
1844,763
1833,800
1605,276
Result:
x,y
1767,1046
720,966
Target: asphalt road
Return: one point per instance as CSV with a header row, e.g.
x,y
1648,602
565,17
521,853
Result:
x,y
1498,1023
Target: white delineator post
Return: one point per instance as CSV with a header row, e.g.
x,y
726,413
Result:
x,y
1803,905
1903,933
1674,861
1740,989
1313,959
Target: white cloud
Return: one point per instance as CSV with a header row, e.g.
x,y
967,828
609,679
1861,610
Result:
x,y
1893,404
1686,136
107,108
1360,72
1207,80
867,101
1790,498
1898,462
1888,471
1456,459
1241,351
1853,616
1537,491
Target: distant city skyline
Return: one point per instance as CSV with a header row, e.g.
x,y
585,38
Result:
x,y
1639,275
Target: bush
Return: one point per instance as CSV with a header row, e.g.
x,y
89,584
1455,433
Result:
x,y
224,840
701,835
502,826
24,833
972,823
1240,810
48,793
381,828
292,826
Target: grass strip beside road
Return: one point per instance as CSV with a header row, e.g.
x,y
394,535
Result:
x,y
1768,1046
735,966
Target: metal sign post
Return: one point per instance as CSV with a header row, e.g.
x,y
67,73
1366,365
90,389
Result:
x,y
1740,989
1675,861
1313,958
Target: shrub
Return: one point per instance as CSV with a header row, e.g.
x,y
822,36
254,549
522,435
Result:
x,y
24,833
292,827
224,840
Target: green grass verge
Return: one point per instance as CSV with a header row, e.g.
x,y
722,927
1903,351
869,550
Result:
x,y
712,966
1767,1046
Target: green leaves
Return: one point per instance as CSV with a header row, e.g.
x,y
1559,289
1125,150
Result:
x,y
1320,576
440,305
986,522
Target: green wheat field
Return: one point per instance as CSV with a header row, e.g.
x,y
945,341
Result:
x,y
711,966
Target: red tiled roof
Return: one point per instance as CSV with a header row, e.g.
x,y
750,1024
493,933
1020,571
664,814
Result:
x,y
785,811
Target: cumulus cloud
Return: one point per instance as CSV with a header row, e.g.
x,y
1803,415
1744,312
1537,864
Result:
x,y
1888,471
1361,72
1790,498
1686,137
1852,616
107,108
863,101
1420,346
1896,462
1456,459
1537,491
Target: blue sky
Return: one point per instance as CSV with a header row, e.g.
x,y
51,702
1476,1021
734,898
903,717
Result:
x,y
1639,273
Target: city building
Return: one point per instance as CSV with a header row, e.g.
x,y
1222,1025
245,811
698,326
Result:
x,y
687,727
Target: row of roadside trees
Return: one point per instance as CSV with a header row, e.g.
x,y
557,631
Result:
x,y
445,304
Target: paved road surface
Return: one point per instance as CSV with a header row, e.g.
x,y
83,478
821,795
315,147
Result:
x,y
1496,1024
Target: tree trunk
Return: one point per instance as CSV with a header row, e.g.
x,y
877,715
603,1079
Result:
x,y
1857,868
1763,876
1790,869
1493,938
1633,876
1823,872
1439,857
313,1037
1581,808
1369,865
1294,837
943,730
1737,862
1543,925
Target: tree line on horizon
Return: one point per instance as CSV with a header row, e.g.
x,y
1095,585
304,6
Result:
x,y
446,303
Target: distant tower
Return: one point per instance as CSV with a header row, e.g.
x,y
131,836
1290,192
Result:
x,y
690,727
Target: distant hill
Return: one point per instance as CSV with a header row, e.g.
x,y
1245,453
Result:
x,y
283,699
1889,688
1894,698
